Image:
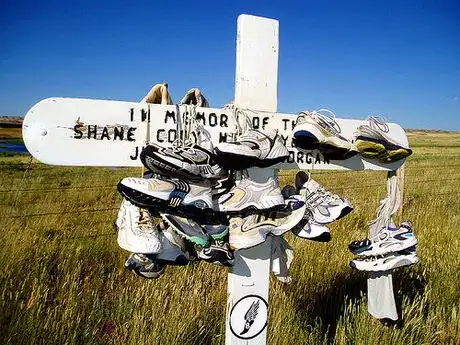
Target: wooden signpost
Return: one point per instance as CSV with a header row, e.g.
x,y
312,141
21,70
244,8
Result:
x,y
82,132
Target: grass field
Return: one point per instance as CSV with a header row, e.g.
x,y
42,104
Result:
x,y
62,279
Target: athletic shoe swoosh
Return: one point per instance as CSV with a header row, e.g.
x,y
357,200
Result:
x,y
245,228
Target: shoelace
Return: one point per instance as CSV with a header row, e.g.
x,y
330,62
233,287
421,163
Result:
x,y
322,196
378,123
327,119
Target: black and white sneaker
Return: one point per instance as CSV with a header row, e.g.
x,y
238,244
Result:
x,y
217,253
253,148
193,161
172,196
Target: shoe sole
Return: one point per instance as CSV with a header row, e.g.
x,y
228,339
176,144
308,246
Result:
x,y
401,262
406,244
381,150
234,161
143,200
308,141
324,237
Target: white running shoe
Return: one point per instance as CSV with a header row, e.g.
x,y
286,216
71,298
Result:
x,y
248,195
252,230
325,207
318,130
173,196
253,148
389,240
136,231
386,262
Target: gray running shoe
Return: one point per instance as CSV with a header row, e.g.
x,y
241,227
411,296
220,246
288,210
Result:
x,y
187,228
145,266
195,97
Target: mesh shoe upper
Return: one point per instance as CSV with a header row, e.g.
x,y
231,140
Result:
x,y
258,148
373,142
247,194
136,230
319,130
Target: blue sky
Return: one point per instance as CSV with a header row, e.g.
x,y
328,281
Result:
x,y
399,59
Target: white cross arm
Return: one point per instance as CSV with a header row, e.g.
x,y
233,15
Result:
x,y
84,132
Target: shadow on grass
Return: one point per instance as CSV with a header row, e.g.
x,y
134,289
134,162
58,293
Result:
x,y
325,307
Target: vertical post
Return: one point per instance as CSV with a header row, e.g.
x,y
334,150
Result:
x,y
256,87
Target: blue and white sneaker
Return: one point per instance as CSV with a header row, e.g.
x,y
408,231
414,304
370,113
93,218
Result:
x,y
172,196
325,206
389,261
389,240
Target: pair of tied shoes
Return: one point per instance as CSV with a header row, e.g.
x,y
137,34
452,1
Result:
x,y
308,206
319,130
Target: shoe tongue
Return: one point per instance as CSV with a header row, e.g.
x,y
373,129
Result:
x,y
204,140
313,185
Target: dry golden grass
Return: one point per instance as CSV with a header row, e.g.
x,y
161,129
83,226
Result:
x,y
62,279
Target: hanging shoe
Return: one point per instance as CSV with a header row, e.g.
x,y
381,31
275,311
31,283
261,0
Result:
x,y
253,148
373,142
136,230
145,265
175,250
389,240
219,252
325,207
248,195
389,261
187,228
312,231
158,94
252,230
318,130
172,196
195,97
192,161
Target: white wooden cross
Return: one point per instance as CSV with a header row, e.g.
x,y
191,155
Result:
x,y
81,132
